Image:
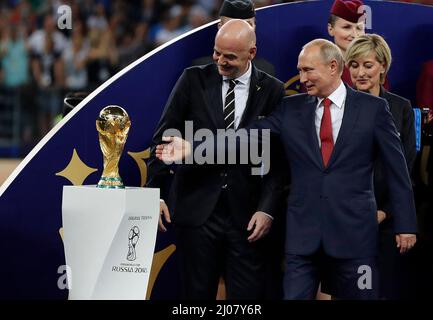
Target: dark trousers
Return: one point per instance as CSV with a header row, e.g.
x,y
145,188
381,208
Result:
x,y
397,271
354,279
216,248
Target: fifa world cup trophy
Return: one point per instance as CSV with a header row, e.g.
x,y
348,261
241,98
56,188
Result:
x,y
113,126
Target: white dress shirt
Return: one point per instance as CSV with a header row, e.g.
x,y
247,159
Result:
x,y
338,98
242,90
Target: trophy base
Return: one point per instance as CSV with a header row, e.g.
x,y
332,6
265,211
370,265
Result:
x,y
110,183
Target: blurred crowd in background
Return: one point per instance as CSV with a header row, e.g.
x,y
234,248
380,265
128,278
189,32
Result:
x,y
40,63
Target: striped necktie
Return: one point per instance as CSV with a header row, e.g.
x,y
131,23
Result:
x,y
229,105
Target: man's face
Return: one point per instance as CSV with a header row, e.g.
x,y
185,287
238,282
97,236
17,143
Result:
x,y
232,56
317,76
251,21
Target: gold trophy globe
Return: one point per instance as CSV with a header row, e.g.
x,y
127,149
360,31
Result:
x,y
113,126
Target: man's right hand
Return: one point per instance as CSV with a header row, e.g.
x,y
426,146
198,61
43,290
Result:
x,y
163,211
175,149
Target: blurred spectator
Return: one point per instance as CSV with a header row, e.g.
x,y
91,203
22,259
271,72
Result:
x,y
101,57
134,45
170,27
37,38
47,71
15,60
39,60
74,60
98,20
197,17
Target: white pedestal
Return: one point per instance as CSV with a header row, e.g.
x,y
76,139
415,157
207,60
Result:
x,y
109,240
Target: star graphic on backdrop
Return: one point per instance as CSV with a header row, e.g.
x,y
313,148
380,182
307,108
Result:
x,y
139,158
76,171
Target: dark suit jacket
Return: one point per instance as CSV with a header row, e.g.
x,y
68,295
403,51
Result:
x,y
335,206
402,114
195,189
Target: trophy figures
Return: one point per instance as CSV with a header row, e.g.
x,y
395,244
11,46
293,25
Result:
x,y
113,126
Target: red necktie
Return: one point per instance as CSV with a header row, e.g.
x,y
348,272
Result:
x,y
326,132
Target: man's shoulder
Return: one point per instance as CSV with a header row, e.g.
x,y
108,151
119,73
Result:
x,y
396,99
297,102
264,65
201,71
266,77
202,61
298,99
363,97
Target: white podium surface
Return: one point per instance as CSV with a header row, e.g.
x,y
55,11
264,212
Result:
x,y
109,240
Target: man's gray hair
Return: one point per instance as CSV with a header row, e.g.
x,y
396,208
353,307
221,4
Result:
x,y
328,51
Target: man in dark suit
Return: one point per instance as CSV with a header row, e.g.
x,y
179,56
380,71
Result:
x,y
221,213
239,9
332,137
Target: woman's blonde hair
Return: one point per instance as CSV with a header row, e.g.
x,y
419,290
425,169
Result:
x,y
363,45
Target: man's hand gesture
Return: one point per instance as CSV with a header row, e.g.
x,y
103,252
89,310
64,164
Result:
x,y
174,150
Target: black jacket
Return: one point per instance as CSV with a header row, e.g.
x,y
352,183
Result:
x,y
402,113
195,189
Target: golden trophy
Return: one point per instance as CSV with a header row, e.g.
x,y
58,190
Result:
x,y
113,126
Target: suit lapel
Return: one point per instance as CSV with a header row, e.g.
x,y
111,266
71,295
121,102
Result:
x,y
253,95
214,94
351,110
308,119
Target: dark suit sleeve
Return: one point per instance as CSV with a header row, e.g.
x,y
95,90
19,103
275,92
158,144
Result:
x,y
172,118
396,172
276,180
273,121
408,136
252,134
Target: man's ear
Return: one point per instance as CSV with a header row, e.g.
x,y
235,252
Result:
x,y
330,30
334,66
219,25
253,52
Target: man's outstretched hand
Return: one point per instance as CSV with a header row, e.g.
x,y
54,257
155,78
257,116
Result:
x,y
175,149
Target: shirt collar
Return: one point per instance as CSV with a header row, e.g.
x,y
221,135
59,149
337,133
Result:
x,y
337,97
243,79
